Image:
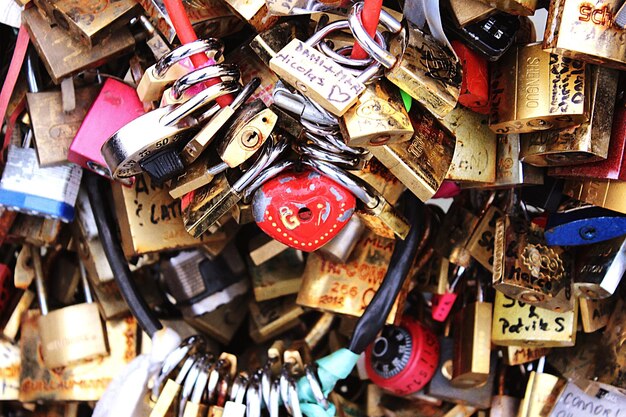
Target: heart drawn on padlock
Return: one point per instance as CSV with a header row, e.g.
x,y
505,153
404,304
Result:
x,y
303,210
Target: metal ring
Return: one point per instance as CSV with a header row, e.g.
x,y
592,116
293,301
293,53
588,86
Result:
x,y
186,51
214,378
228,72
319,130
253,398
369,45
312,376
197,102
174,358
266,372
269,153
357,186
274,404
341,59
265,175
284,387
317,153
201,381
189,383
238,389
294,401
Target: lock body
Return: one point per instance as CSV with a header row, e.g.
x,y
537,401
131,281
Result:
x,y
518,7
519,324
53,128
404,358
426,70
526,269
536,90
72,334
48,192
475,85
472,345
587,142
279,276
466,12
341,288
586,31
481,244
599,268
421,163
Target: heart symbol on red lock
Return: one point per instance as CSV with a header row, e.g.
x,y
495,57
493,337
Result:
x,y
303,210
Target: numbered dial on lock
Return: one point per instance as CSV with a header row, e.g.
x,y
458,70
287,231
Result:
x,y
404,358
303,210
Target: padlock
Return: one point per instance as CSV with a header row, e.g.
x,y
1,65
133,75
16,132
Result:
x,y
440,386
538,392
48,192
591,34
189,84
425,69
82,381
318,76
599,268
422,163
273,317
199,284
119,103
578,223
433,276
341,288
149,219
608,363
206,205
536,90
403,358
614,165
173,385
520,324
474,158
468,12
492,36
601,193
70,334
443,303
517,355
54,128
37,231
481,243
379,118
247,133
475,84
62,55
595,314
527,269
279,276
588,142
517,7
472,342
102,21
172,66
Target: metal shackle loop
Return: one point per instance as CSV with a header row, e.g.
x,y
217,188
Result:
x,y
227,72
187,51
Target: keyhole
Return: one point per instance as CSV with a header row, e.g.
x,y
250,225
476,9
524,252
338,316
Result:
x,y
305,214
588,232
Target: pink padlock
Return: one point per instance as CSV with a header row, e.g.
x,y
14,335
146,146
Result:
x,y
442,303
116,105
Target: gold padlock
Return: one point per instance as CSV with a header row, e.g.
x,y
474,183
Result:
x,y
279,276
536,90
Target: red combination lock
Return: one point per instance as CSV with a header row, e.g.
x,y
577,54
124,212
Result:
x,y
404,358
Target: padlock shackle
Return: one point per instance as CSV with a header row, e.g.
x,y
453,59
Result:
x,y
227,72
42,296
168,60
369,45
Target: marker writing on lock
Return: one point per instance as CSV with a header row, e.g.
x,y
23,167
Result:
x,y
534,325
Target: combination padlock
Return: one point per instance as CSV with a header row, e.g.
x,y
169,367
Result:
x,y
404,358
70,334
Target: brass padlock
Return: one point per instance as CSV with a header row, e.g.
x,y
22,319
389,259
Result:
x,y
62,55
466,12
273,317
348,288
379,118
482,241
520,324
536,90
585,31
421,163
71,334
279,276
526,269
472,343
595,314
538,392
599,268
518,7
584,143
454,234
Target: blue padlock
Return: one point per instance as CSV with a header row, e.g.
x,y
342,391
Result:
x,y
583,224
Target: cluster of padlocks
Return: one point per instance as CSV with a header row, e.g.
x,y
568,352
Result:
x,y
229,208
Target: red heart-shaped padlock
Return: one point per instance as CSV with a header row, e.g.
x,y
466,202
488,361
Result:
x,y
303,210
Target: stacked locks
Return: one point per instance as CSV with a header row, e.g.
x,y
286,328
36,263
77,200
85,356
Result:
x,y
351,208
